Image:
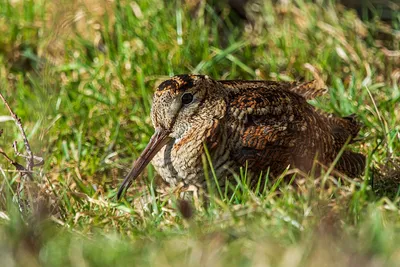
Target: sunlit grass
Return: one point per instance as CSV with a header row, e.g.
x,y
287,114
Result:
x,y
80,75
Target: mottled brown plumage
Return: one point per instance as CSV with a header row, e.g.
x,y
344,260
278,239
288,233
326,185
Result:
x,y
264,124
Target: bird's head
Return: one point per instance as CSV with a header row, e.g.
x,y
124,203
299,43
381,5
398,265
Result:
x,y
179,103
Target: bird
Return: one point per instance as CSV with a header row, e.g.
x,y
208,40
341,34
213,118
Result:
x,y
263,125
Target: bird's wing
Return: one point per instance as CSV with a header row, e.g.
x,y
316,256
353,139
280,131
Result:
x,y
274,126
277,127
308,90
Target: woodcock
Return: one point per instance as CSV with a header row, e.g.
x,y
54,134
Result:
x,y
265,124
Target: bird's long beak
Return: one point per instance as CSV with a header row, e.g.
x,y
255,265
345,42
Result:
x,y
159,139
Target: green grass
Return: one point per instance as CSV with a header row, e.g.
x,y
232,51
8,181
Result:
x,y
80,75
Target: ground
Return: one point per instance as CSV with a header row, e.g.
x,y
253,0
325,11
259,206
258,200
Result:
x,y
80,76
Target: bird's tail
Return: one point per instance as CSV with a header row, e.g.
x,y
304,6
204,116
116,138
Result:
x,y
344,127
351,163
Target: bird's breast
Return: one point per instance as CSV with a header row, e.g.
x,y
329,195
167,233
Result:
x,y
180,159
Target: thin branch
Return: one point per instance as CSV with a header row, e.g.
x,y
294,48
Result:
x,y
40,160
21,169
27,198
30,162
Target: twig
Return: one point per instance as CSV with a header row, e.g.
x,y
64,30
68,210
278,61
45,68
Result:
x,y
21,169
30,198
30,162
39,159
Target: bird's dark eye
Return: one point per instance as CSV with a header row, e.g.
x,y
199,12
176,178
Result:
x,y
187,98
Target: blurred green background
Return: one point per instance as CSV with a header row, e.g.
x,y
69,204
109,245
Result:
x,y
80,75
